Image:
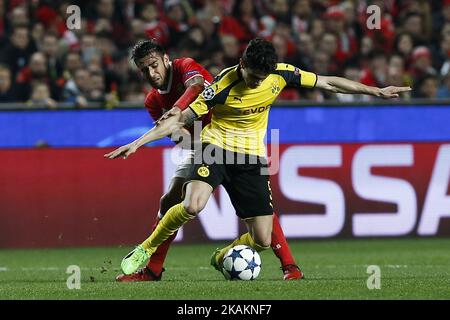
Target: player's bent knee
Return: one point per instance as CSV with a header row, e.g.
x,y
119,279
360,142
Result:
x,y
262,240
191,206
194,204
263,237
260,246
197,196
192,209
264,244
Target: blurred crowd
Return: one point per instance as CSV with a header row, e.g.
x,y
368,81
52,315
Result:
x,y
42,62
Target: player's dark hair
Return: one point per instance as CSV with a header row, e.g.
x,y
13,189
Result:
x,y
145,47
260,55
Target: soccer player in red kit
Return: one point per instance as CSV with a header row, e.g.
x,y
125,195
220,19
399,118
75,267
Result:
x,y
177,83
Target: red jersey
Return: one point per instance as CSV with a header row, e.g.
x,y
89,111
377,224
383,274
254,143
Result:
x,y
158,102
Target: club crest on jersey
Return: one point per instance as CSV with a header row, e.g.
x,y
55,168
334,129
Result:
x,y
209,93
275,88
203,171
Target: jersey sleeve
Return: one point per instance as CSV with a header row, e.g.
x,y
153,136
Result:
x,y
223,73
295,77
189,69
200,106
152,108
214,94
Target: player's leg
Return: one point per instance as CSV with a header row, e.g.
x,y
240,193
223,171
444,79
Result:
x,y
202,180
258,237
278,243
197,195
173,196
154,268
250,195
260,230
168,200
281,249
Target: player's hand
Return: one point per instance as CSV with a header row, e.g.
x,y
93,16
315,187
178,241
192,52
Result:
x,y
172,112
392,92
123,152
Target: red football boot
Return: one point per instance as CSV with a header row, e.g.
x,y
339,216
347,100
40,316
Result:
x,y
145,274
292,272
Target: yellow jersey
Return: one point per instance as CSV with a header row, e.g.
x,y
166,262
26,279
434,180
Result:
x,y
240,114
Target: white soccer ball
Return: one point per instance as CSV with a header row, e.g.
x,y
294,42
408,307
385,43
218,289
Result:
x,y
241,263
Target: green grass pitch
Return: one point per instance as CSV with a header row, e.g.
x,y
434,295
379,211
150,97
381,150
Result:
x,y
334,269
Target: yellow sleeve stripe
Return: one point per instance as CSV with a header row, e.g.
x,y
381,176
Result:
x,y
223,73
308,79
294,76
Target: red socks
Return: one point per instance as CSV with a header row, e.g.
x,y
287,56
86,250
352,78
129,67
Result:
x,y
279,244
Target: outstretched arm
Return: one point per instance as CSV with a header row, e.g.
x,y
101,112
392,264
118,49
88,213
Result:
x,y
343,85
194,87
166,127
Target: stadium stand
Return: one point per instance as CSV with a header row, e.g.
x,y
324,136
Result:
x,y
45,64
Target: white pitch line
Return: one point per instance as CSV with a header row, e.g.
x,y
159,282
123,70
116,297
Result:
x,y
57,269
328,266
392,266
4,269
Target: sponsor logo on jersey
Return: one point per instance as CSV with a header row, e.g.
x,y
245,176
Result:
x,y
255,110
191,73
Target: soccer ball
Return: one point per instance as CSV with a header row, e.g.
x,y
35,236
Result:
x,y
241,263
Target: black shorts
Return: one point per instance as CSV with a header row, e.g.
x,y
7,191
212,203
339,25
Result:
x,y
241,175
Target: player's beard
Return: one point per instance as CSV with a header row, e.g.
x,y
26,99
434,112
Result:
x,y
160,84
155,85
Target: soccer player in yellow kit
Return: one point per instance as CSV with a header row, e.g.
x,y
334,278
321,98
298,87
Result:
x,y
233,151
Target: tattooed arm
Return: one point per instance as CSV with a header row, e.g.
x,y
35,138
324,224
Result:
x,y
176,121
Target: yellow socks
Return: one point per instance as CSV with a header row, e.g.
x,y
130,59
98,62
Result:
x,y
245,239
174,218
